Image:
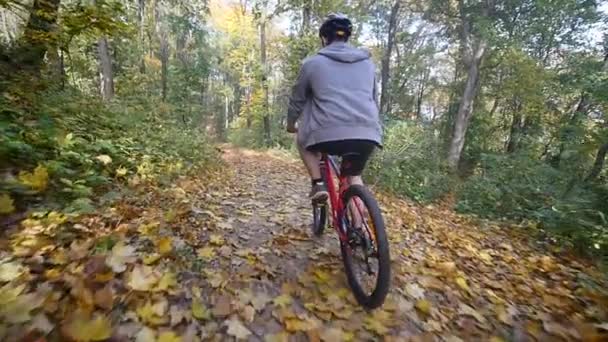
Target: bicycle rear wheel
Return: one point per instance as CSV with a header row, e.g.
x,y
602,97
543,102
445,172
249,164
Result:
x,y
366,254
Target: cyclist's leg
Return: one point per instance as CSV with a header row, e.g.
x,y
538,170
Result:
x,y
311,157
311,160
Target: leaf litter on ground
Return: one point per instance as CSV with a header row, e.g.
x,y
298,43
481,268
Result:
x,y
243,263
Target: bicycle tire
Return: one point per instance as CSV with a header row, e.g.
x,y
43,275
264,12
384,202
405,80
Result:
x,y
319,222
378,295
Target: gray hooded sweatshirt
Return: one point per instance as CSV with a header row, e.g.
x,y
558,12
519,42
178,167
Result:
x,y
335,94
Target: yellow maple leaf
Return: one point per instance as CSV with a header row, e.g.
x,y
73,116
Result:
x,y
149,228
164,245
282,300
485,257
375,325
142,278
15,307
9,293
153,314
169,336
121,255
296,324
462,283
206,253
6,204
151,258
424,306
83,329
37,180
199,311
10,270
121,172
216,239
167,281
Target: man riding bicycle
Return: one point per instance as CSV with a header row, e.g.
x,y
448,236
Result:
x,y
335,100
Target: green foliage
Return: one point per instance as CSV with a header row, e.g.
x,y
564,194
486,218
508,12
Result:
x,y
411,163
519,187
86,146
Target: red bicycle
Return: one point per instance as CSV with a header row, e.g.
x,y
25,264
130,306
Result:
x,y
357,219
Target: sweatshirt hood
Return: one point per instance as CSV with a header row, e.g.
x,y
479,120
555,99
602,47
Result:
x,y
344,52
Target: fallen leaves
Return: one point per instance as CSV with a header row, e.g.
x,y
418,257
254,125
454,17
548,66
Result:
x,y
164,245
414,291
104,298
153,313
7,205
260,300
464,309
184,264
37,180
199,311
282,300
119,257
237,329
424,306
10,270
16,306
83,329
143,278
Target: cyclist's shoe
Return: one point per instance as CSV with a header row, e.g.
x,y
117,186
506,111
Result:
x,y
318,193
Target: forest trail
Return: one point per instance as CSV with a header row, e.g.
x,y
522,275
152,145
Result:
x,y
231,256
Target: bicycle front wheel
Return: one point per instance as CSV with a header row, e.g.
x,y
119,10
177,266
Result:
x,y
366,253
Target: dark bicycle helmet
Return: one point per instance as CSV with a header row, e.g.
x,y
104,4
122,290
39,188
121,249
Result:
x,y
336,25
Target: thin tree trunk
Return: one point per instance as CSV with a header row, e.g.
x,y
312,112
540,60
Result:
x,y
494,107
465,109
420,94
248,108
598,165
106,77
517,125
267,136
63,74
141,12
164,60
306,14
386,58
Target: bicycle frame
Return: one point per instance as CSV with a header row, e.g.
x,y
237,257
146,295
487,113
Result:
x,y
329,168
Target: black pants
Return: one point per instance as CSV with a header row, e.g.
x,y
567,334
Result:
x,y
354,152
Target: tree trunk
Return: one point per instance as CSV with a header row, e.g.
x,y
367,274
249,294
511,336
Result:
x,y
267,136
421,91
55,66
517,125
164,61
141,11
248,107
465,109
106,77
386,58
38,35
306,11
598,165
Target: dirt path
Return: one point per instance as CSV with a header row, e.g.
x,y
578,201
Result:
x,y
217,258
